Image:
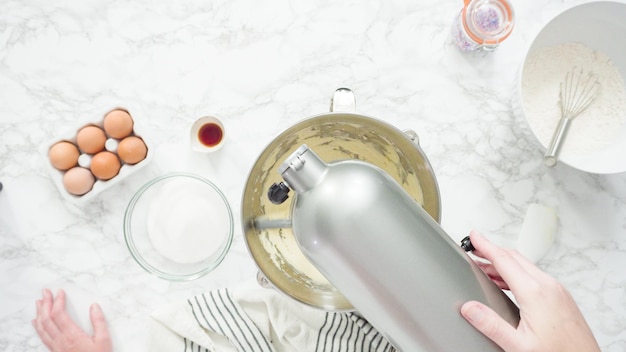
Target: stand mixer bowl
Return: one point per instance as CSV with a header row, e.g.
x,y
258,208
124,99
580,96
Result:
x,y
340,134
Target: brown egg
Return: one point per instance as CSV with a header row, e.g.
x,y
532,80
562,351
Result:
x,y
132,150
118,124
105,165
78,181
91,139
63,155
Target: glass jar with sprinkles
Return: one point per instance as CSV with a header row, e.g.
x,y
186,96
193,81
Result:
x,y
482,24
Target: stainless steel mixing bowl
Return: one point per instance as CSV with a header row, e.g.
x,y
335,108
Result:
x,y
337,135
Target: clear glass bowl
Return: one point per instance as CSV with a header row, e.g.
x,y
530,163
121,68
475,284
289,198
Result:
x,y
178,226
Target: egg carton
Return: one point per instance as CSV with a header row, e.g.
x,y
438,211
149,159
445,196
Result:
x,y
99,186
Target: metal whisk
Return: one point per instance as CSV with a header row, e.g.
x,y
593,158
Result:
x,y
577,92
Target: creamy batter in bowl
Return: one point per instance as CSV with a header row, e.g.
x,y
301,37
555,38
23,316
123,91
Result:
x,y
335,136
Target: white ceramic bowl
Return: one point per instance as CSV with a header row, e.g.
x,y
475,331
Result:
x,y
600,26
178,226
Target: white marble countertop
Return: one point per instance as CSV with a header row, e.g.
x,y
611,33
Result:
x,y
262,66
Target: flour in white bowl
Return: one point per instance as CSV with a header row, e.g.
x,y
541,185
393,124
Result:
x,y
599,124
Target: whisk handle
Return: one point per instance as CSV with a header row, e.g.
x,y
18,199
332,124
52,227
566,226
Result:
x,y
551,156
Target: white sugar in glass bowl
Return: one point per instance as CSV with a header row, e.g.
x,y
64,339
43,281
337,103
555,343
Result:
x,y
178,226
586,36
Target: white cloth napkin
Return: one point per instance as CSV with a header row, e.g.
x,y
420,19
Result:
x,y
249,318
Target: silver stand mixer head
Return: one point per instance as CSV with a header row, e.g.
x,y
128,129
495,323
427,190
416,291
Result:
x,y
386,255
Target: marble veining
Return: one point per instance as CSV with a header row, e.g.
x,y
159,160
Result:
x,y
262,66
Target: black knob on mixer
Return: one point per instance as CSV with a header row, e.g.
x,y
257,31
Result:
x,y
278,193
466,244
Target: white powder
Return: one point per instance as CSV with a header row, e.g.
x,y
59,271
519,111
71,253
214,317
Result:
x,y
593,129
187,224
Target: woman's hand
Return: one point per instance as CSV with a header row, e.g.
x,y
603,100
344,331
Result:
x,y
60,333
549,318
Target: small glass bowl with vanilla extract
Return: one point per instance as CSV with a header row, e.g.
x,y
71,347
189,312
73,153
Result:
x,y
207,134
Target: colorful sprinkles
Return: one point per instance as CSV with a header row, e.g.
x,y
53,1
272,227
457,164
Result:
x,y
487,19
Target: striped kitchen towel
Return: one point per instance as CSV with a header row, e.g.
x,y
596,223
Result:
x,y
249,318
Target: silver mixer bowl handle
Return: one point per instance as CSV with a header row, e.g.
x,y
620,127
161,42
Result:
x,y
412,136
343,101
